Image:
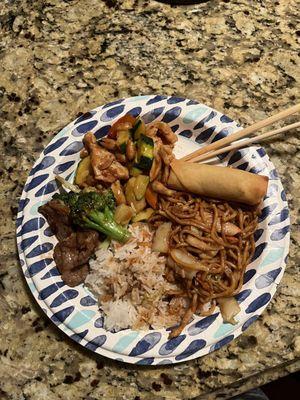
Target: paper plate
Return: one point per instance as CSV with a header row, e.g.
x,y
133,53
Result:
x,y
74,310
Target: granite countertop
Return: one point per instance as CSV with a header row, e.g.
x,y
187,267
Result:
x,y
61,58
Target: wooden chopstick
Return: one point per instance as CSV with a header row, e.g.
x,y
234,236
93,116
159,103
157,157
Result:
x,y
244,143
244,132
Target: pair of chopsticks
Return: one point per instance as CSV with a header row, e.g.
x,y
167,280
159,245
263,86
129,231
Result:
x,y
220,147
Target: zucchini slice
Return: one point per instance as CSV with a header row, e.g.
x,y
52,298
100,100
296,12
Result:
x,y
122,139
145,147
138,129
83,170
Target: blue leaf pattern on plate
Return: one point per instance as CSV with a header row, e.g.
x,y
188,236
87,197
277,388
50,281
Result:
x,y
99,322
240,297
257,234
192,102
53,272
202,325
113,103
222,343
237,156
28,242
202,123
156,99
175,100
171,345
280,217
243,166
60,168
49,290
33,224
22,204
259,302
225,119
96,342
186,133
79,336
103,131
220,135
249,275
145,361
36,181
71,149
205,135
258,250
50,187
267,279
283,195
135,112
192,348
171,114
280,233
40,249
64,296
81,318
249,322
112,113
45,163
87,301
38,266
152,115
146,344
85,116
62,315
266,211
55,145
125,341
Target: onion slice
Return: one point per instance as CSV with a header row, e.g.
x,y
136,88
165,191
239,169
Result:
x,y
229,308
161,238
67,185
187,261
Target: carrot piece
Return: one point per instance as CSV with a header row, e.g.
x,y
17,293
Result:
x,y
151,197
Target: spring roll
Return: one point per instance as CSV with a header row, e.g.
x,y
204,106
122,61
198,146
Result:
x,y
218,182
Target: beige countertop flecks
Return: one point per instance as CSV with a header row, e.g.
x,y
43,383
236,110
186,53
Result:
x,y
61,58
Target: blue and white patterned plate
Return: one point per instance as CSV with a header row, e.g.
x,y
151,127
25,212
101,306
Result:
x,y
74,310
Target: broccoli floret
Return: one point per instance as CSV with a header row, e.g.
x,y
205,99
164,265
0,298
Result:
x,y
69,198
95,211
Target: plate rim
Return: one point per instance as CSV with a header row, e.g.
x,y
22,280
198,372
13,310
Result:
x,y
100,350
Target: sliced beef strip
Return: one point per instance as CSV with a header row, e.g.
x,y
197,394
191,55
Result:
x,y
57,215
74,248
76,276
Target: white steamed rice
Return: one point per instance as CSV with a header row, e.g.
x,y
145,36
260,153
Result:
x,y
129,283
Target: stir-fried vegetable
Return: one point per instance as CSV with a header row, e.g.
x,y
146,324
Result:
x,y
151,197
118,193
137,205
95,211
161,238
145,148
83,170
138,129
229,309
122,139
123,123
143,215
123,214
186,260
140,186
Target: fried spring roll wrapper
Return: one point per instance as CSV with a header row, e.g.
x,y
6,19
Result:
x,y
219,182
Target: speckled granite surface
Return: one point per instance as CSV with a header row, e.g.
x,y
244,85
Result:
x,y
61,58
